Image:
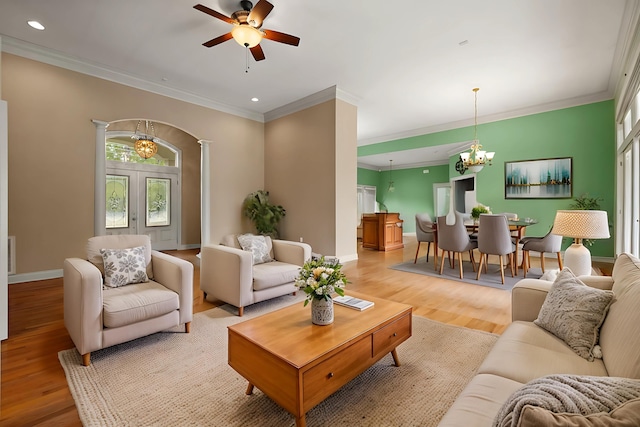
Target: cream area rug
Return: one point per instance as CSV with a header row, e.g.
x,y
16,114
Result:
x,y
177,379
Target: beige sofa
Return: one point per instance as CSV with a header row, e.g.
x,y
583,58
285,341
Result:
x,y
526,352
227,272
98,316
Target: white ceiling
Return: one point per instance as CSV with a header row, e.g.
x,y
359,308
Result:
x,y
410,65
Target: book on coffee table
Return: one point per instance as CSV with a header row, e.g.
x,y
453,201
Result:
x,y
352,302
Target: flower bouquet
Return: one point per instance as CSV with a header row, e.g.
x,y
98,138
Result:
x,y
319,279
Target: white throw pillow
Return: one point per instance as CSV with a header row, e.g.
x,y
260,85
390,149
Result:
x,y
124,266
257,245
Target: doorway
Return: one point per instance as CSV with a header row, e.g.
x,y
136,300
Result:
x,y
143,196
144,202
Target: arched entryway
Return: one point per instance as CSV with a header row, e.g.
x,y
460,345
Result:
x,y
159,196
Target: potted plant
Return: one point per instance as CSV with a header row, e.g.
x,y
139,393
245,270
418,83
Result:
x,y
264,215
480,209
319,279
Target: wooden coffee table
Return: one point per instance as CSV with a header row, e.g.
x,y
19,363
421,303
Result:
x,y
299,364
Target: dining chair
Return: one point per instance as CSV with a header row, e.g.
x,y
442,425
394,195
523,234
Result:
x,y
424,233
511,216
454,238
494,238
551,243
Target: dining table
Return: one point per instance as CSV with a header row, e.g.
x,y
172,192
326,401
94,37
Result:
x,y
516,225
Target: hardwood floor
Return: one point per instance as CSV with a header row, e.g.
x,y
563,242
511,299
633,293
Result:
x,y
34,388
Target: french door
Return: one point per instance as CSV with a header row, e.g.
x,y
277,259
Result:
x,y
144,199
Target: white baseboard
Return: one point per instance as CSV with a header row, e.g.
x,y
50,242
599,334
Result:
x,y
191,246
347,258
35,276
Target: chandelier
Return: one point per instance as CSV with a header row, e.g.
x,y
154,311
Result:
x,y
145,144
476,158
391,188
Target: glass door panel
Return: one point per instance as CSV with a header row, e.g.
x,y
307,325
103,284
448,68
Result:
x,y
158,202
117,215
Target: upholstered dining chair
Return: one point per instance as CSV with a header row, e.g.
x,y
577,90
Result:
x,y
551,243
494,238
454,238
424,233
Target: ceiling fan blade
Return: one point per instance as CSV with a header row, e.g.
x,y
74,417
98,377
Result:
x,y
218,40
257,53
259,12
277,36
213,13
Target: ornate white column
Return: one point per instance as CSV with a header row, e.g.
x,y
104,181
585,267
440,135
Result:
x,y
205,193
100,198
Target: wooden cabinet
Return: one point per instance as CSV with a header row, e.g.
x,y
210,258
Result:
x,y
382,231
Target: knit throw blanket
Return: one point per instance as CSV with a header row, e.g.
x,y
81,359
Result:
x,y
575,394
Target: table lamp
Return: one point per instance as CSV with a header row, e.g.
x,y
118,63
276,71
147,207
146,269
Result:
x,y
580,225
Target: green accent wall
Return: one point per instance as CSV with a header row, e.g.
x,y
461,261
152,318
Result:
x,y
586,133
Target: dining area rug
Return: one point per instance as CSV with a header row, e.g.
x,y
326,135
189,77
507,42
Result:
x,y
172,378
491,278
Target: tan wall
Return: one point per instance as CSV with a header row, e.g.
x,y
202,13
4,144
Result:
x,y
311,169
300,174
51,155
346,180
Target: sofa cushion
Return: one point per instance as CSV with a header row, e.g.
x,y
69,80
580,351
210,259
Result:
x,y
625,415
525,352
620,332
134,303
574,394
124,266
258,247
479,402
118,241
574,312
273,274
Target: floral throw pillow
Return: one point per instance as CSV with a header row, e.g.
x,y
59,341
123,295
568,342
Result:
x,y
124,266
257,245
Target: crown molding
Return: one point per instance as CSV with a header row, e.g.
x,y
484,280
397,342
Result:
x,y
542,108
332,92
363,165
58,59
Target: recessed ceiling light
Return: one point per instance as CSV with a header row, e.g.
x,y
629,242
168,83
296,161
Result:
x,y
254,99
36,25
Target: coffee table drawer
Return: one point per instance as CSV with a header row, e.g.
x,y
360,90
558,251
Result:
x,y
387,338
331,374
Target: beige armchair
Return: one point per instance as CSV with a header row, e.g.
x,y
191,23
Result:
x,y
98,316
228,273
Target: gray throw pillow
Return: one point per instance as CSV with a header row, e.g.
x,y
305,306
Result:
x,y
257,245
574,312
124,266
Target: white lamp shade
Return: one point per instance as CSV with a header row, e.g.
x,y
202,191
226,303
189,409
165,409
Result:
x,y
580,224
246,35
480,155
490,155
464,157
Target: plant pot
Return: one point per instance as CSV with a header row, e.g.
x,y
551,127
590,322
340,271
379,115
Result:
x,y
322,311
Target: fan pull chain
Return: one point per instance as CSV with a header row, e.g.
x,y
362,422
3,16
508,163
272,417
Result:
x,y
246,67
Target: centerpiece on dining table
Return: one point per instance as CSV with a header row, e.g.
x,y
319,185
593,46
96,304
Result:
x,y
478,210
319,279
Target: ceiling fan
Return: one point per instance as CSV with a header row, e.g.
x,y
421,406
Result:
x,y
247,25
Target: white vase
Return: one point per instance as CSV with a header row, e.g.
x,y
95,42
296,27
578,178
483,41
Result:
x,y
322,311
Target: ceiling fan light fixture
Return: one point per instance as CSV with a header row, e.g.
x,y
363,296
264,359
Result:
x,y
246,35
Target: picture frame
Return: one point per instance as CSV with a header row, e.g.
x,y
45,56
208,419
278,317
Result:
x,y
539,179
